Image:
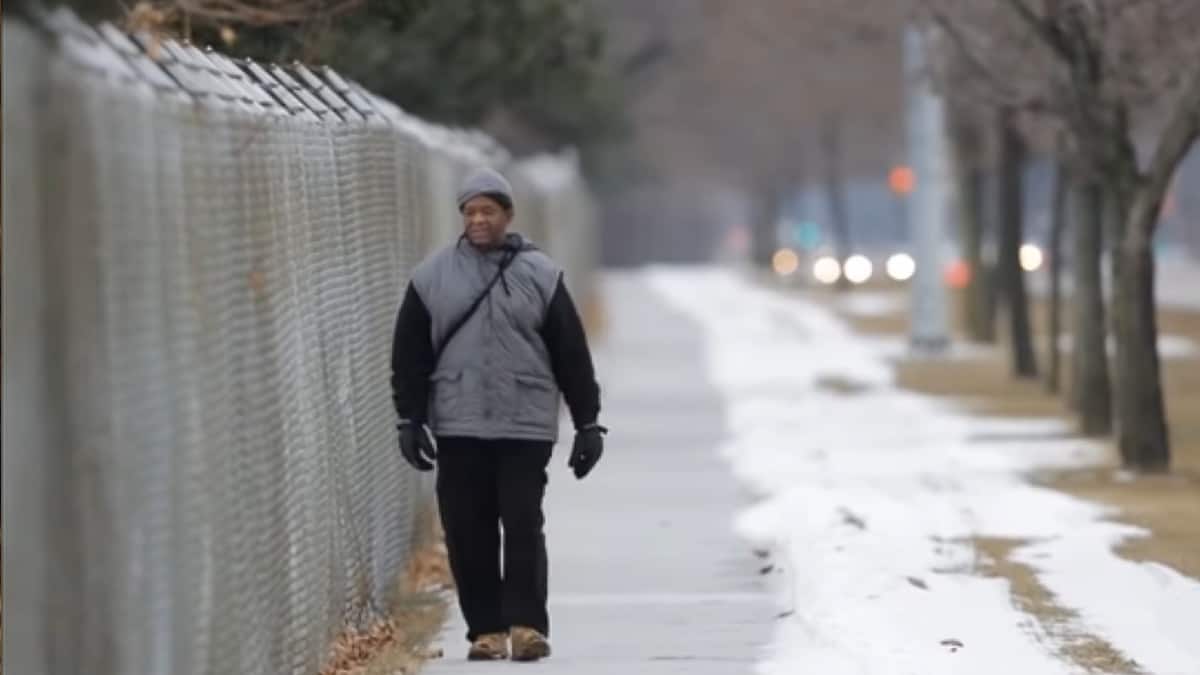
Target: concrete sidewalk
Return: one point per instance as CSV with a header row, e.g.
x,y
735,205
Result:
x,y
646,575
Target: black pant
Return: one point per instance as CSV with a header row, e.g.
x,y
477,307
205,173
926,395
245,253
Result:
x,y
482,484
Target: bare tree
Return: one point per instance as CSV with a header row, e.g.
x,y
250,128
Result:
x,y
1101,118
1058,222
834,69
1010,207
1091,390
809,91
1111,73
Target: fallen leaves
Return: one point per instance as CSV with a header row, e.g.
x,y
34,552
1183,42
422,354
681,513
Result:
x,y
353,653
399,644
158,23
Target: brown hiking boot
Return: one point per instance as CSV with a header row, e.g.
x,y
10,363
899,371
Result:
x,y
490,647
528,644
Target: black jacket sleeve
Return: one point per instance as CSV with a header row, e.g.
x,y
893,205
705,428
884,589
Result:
x,y
570,357
412,358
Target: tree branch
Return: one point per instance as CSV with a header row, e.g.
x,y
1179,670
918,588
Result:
x,y
1045,32
261,13
964,48
995,91
647,56
1177,139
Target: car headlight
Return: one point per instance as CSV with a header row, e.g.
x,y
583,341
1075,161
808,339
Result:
x,y
858,269
785,262
827,270
901,267
1031,258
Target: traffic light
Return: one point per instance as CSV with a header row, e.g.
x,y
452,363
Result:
x,y
902,180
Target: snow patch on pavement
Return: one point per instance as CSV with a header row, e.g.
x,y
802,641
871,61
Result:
x,y
869,501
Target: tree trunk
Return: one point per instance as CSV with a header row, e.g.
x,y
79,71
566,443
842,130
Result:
x,y
1141,416
1054,320
1010,214
978,310
1141,413
1091,391
835,190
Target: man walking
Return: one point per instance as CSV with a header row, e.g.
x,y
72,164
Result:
x,y
486,338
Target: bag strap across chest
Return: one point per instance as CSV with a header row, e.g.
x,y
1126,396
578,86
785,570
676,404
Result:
x,y
510,254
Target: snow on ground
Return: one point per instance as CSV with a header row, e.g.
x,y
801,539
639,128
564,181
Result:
x,y
1176,279
872,303
868,500
886,303
1169,346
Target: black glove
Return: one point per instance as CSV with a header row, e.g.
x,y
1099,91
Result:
x,y
589,446
417,446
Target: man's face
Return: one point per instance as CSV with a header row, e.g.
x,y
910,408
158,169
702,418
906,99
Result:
x,y
485,221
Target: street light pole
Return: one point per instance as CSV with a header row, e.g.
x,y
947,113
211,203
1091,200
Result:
x,y
929,202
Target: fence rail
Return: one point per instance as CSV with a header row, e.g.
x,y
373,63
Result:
x,y
202,263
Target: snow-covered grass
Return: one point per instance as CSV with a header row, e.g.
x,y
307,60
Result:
x,y
871,497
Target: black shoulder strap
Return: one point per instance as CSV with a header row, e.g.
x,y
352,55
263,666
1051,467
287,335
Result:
x,y
507,260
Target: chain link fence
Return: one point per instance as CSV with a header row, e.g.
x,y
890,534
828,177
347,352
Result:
x,y
203,259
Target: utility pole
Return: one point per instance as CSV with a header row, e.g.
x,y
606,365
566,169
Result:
x,y
929,203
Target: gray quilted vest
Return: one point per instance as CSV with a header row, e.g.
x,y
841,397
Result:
x,y
494,379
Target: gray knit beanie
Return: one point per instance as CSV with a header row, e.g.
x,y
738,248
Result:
x,y
486,182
